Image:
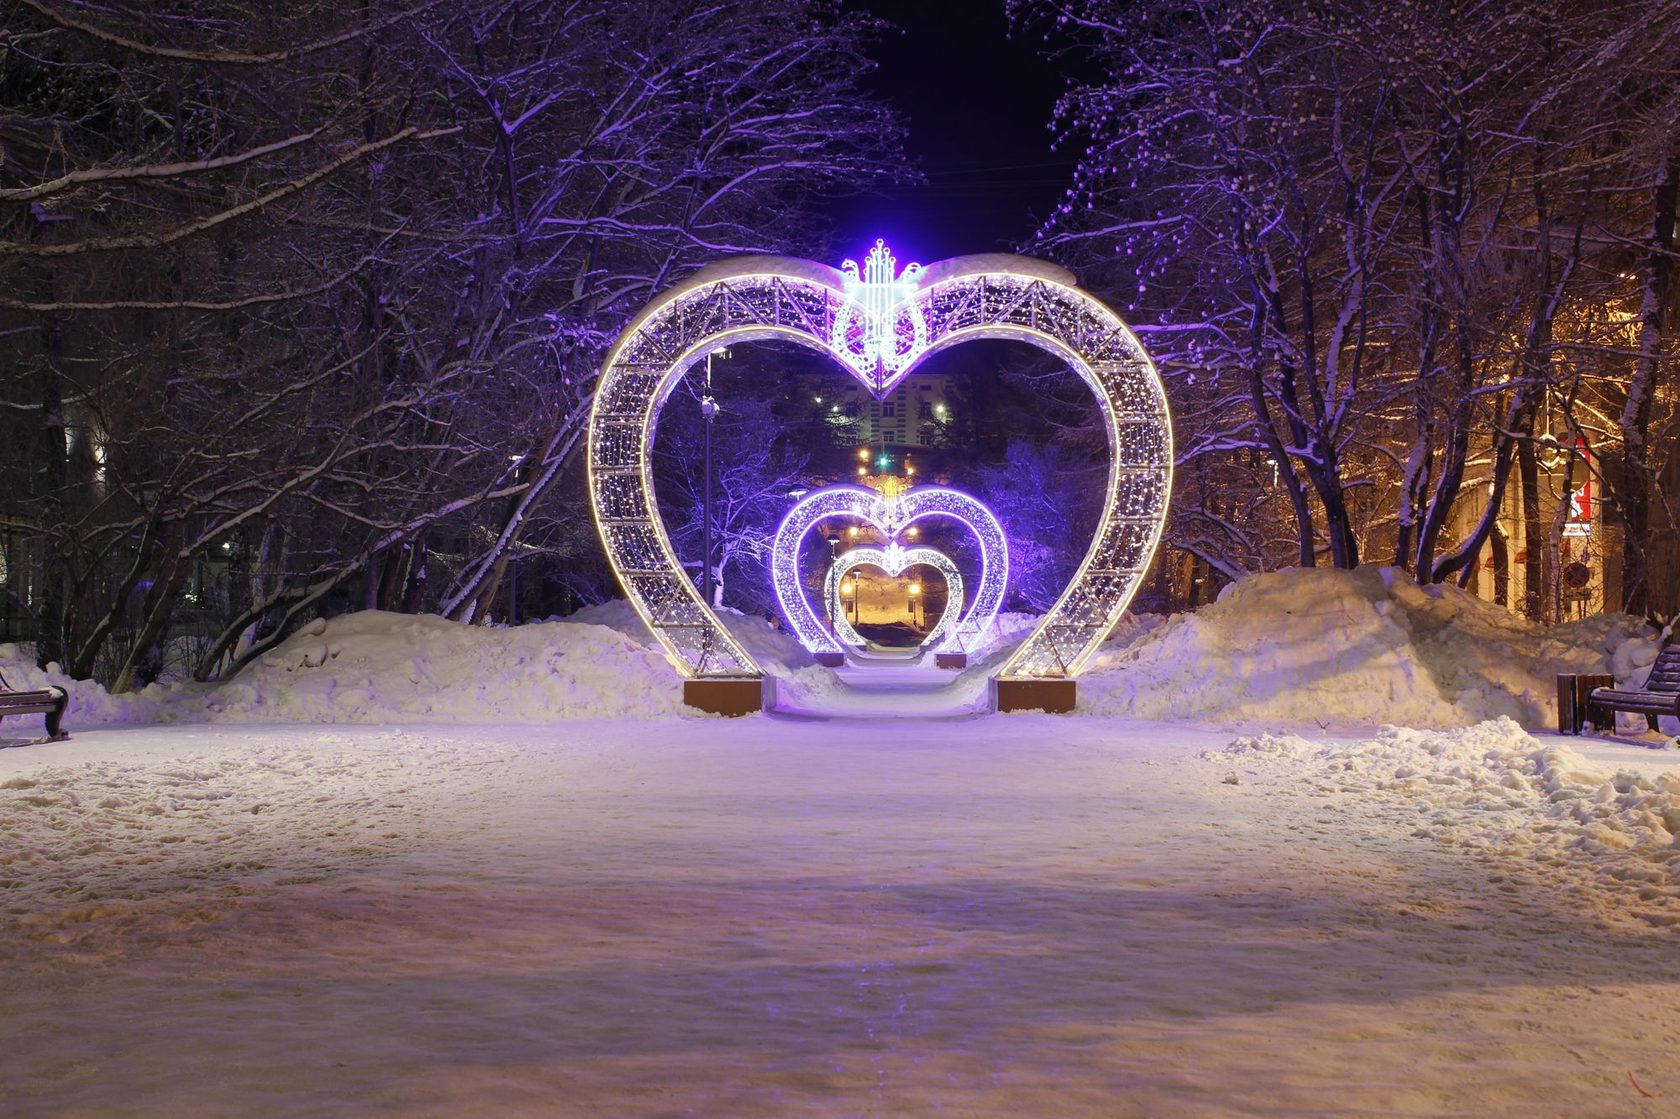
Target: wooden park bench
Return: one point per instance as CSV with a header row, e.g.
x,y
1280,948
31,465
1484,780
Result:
x,y
49,701
1660,694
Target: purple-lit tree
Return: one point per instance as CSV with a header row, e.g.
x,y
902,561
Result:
x,y
303,303
753,477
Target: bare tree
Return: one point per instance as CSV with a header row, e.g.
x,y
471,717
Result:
x,y
302,328
1373,239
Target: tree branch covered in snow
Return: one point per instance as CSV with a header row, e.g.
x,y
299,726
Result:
x,y
304,304
1400,235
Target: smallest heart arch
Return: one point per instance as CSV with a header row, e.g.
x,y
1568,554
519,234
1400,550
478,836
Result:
x,y
895,560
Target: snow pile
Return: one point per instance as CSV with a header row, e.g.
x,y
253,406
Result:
x,y
1301,647
1330,647
90,703
378,667
1543,810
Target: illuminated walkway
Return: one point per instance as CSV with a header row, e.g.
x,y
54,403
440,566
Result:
x,y
888,689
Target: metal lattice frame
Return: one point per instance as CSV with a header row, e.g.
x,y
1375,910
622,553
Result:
x,y
895,560
990,296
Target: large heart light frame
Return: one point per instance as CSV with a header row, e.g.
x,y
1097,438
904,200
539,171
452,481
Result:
x,y
879,326
896,560
890,516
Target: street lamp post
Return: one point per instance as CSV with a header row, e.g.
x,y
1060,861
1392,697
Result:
x,y
708,409
834,558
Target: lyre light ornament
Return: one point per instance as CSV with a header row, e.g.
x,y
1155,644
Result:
x,y
876,322
891,517
895,560
880,331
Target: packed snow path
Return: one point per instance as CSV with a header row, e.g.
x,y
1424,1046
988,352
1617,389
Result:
x,y
1011,916
899,689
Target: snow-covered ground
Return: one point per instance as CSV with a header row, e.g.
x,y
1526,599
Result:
x,y
1026,915
407,868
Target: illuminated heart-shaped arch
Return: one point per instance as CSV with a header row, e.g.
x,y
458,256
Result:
x,y
879,338
895,560
890,516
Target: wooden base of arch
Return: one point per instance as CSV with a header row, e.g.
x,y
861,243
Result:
x,y
950,660
829,660
1056,696
723,696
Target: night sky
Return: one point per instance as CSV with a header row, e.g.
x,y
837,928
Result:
x,y
979,103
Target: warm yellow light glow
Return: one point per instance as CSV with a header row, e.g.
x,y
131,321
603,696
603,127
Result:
x,y
863,454
852,532
915,589
862,471
912,532
846,588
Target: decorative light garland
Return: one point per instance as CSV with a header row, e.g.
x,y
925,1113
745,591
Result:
x,y
986,296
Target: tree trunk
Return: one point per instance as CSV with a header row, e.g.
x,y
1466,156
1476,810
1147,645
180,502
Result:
x,y
414,591
1501,567
1639,471
1533,534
